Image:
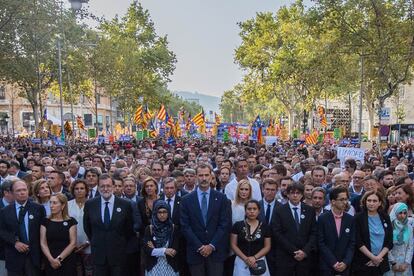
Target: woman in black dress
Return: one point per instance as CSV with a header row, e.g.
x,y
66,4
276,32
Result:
x,y
250,240
58,238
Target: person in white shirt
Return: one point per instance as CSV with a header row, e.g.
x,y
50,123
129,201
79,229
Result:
x,y
242,170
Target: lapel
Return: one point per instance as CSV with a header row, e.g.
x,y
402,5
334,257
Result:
x,y
332,225
14,214
262,210
116,212
212,203
197,210
289,214
30,218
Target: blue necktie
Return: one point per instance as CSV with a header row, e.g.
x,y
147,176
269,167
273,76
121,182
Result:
x,y
22,226
295,210
107,217
204,207
268,214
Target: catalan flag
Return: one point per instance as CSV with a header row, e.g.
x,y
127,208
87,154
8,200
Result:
x,y
177,129
198,119
147,113
162,113
270,128
312,138
80,123
68,129
169,121
188,123
322,115
152,131
138,115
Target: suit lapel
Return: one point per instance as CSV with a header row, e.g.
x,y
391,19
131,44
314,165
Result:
x,y
212,203
197,206
115,212
290,216
332,225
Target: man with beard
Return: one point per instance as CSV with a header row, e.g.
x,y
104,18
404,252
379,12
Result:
x,y
386,179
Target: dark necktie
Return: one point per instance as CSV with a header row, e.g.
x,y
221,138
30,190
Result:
x,y
268,213
204,207
169,204
91,194
107,217
22,226
295,211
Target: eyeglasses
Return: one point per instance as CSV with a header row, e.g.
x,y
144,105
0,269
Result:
x,y
62,165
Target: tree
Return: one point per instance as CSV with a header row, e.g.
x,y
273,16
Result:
x,y
28,54
382,32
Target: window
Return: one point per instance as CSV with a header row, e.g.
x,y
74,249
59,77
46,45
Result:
x,y
2,93
26,118
98,98
87,118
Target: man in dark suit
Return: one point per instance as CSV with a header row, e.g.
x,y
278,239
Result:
x,y
55,181
91,177
173,200
15,169
108,223
205,216
294,230
6,200
268,206
336,230
20,230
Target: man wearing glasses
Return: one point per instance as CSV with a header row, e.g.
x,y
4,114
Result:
x,y
336,231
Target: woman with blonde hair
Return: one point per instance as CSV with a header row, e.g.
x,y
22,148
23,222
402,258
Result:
x,y
41,194
243,194
58,238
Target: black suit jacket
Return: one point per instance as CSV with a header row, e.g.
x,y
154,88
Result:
x,y
1,241
145,218
108,245
262,215
288,239
362,238
9,227
176,209
333,249
133,245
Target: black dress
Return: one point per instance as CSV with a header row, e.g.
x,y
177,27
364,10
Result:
x,y
250,244
57,236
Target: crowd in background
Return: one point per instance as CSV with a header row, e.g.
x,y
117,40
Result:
x,y
201,207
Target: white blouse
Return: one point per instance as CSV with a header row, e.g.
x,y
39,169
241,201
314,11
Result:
x,y
77,213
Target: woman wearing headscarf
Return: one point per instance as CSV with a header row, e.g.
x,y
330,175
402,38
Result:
x,y
161,242
402,252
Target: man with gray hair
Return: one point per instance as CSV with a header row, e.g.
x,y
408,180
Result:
x,y
190,180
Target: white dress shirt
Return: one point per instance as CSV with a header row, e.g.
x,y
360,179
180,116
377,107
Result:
x,y
231,188
110,206
291,206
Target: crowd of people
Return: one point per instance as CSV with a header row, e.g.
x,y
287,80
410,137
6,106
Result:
x,y
201,207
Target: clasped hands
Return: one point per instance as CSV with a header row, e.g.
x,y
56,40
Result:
x,y
205,250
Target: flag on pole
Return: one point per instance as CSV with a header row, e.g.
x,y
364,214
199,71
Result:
x,y
138,115
162,113
198,119
217,119
169,121
147,113
312,138
68,128
322,116
152,131
80,123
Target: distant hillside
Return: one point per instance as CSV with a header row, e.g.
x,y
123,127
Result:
x,y
209,103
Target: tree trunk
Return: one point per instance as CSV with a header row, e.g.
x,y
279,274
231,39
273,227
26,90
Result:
x,y
371,119
291,118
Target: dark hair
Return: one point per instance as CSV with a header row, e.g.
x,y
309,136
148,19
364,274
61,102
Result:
x,y
254,201
280,169
2,161
238,161
408,190
76,182
351,163
203,166
179,161
61,175
263,171
333,195
177,173
6,186
380,196
14,163
42,168
157,163
295,187
228,161
105,176
384,173
318,168
366,166
92,171
269,181
401,180
225,168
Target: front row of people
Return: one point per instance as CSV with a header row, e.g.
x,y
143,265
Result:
x,y
371,243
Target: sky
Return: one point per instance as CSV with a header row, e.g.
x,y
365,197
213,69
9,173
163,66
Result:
x,y
202,34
